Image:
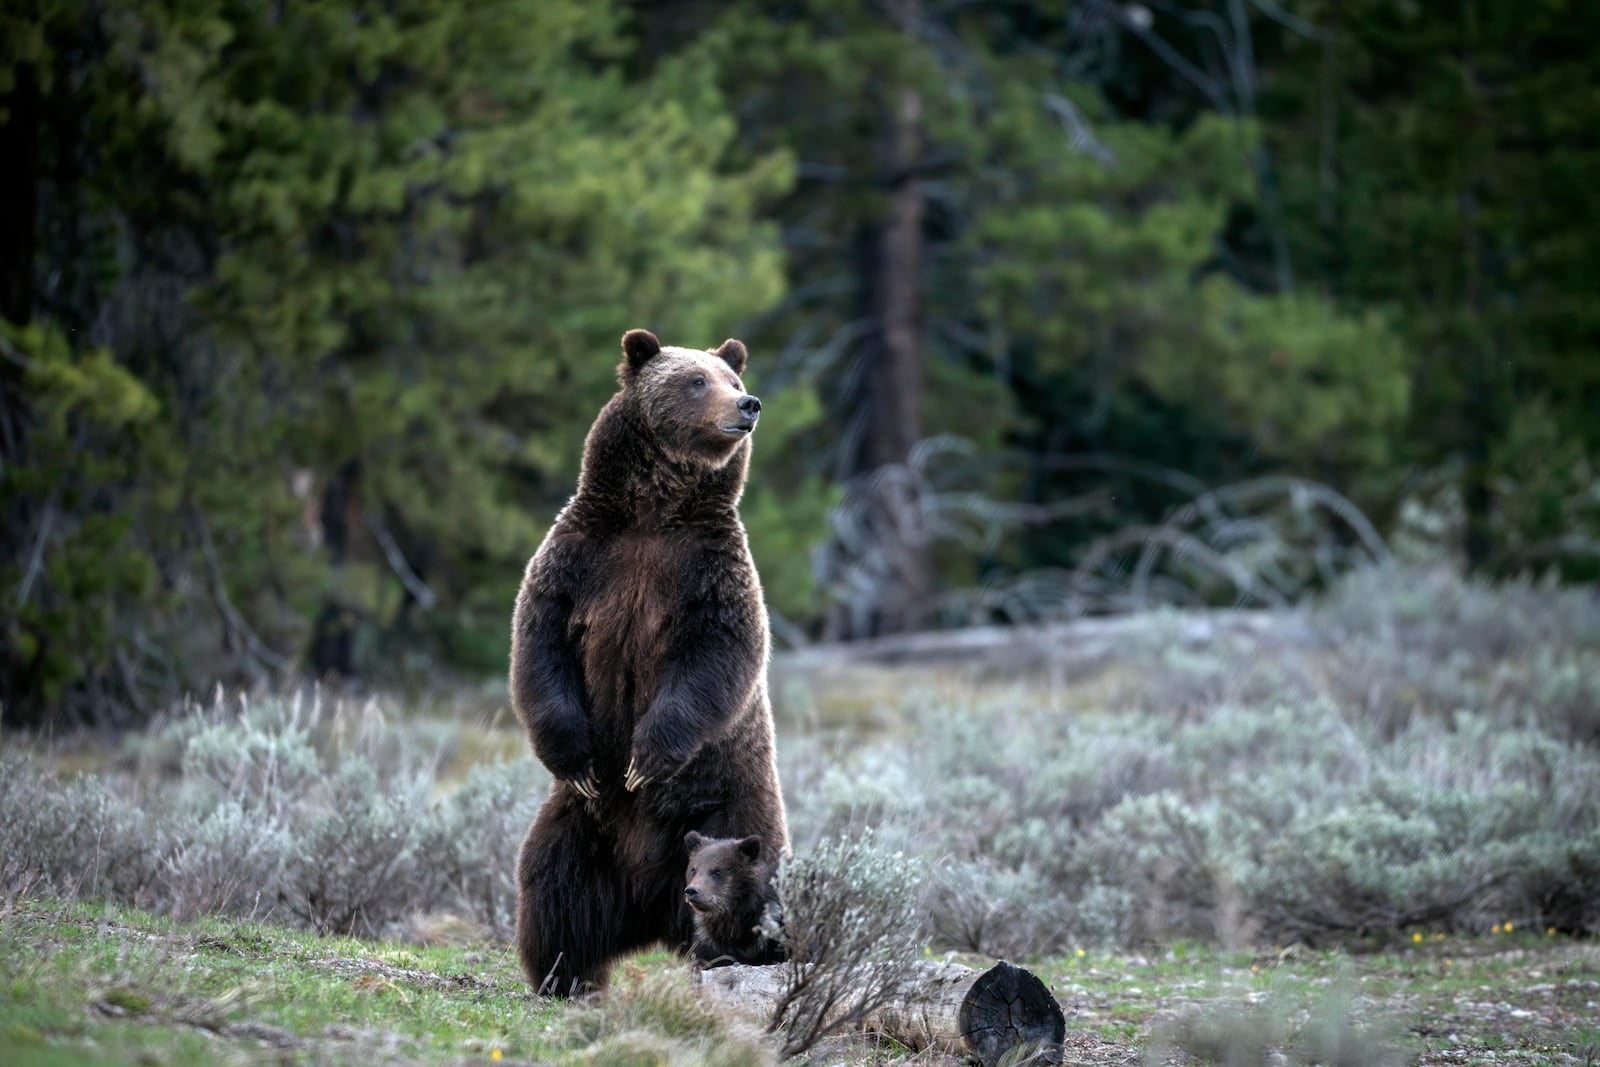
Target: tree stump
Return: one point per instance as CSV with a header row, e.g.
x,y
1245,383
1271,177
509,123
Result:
x,y
981,1015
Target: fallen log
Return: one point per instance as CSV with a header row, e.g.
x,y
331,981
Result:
x,y
1075,645
980,1015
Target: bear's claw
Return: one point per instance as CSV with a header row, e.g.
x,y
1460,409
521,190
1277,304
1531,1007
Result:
x,y
635,780
587,786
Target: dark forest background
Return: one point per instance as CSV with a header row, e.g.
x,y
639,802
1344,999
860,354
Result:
x,y
1054,308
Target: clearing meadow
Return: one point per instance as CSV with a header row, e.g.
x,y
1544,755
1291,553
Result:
x,y
1365,832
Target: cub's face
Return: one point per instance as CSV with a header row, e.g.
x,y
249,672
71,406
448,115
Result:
x,y
693,399
722,871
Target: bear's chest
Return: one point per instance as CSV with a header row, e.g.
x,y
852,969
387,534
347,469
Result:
x,y
624,617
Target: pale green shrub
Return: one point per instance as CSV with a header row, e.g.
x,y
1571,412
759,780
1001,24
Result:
x,y
231,861
1263,1035
471,838
277,809
1422,752
73,836
978,906
850,921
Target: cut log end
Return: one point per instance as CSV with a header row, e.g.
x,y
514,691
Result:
x,y
1007,1007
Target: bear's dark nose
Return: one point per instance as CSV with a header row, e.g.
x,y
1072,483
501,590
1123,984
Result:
x,y
749,406
691,892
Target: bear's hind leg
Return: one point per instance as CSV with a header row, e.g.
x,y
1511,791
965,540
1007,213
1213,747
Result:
x,y
571,911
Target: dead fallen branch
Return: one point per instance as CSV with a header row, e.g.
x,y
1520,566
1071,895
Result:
x,y
1080,644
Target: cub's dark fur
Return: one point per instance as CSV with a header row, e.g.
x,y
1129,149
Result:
x,y
731,891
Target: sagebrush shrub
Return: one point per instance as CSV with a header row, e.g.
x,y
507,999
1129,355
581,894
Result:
x,y
357,865
979,906
1385,780
471,839
294,809
74,837
1422,752
1263,1035
850,922
231,861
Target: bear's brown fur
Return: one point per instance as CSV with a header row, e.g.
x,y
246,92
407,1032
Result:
x,y
638,659
731,892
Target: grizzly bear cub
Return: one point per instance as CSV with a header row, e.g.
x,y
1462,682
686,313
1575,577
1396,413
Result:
x,y
731,892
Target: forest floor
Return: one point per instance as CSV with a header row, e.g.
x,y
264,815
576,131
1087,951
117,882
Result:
x,y
92,984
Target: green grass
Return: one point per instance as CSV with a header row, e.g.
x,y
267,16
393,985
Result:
x,y
1524,997
96,984
93,984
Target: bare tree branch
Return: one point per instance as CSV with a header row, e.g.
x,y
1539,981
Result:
x,y
409,578
1081,137
36,558
1293,22
1207,86
235,625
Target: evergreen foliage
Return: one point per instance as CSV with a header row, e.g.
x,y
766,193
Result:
x,y
345,297
304,309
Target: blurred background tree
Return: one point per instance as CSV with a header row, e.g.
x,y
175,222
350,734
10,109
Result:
x,y
1439,161
323,299
307,308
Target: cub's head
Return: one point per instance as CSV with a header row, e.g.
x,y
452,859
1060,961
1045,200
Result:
x,y
723,872
692,398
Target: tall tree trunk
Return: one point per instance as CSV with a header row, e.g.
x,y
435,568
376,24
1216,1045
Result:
x,y
888,406
19,193
896,378
19,201
19,176
1479,424
333,640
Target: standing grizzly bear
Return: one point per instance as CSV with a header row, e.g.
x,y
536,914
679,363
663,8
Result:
x,y
638,658
732,893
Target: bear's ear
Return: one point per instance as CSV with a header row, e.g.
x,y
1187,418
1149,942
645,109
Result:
x,y
638,348
692,840
733,353
751,848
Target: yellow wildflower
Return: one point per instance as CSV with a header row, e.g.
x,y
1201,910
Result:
x,y
1416,939
495,1054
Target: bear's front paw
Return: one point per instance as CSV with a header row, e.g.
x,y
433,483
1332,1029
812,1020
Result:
x,y
586,784
648,766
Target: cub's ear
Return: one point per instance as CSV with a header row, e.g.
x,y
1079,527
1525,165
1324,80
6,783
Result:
x,y
638,348
692,840
733,353
750,847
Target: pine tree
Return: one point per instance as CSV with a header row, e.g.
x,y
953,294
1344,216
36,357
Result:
x,y
1074,290
360,271
1437,162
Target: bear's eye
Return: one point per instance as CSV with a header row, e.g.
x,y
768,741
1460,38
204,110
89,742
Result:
x,y
700,381
691,872
717,874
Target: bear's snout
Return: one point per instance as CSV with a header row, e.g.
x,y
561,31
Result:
x,y
749,406
692,896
